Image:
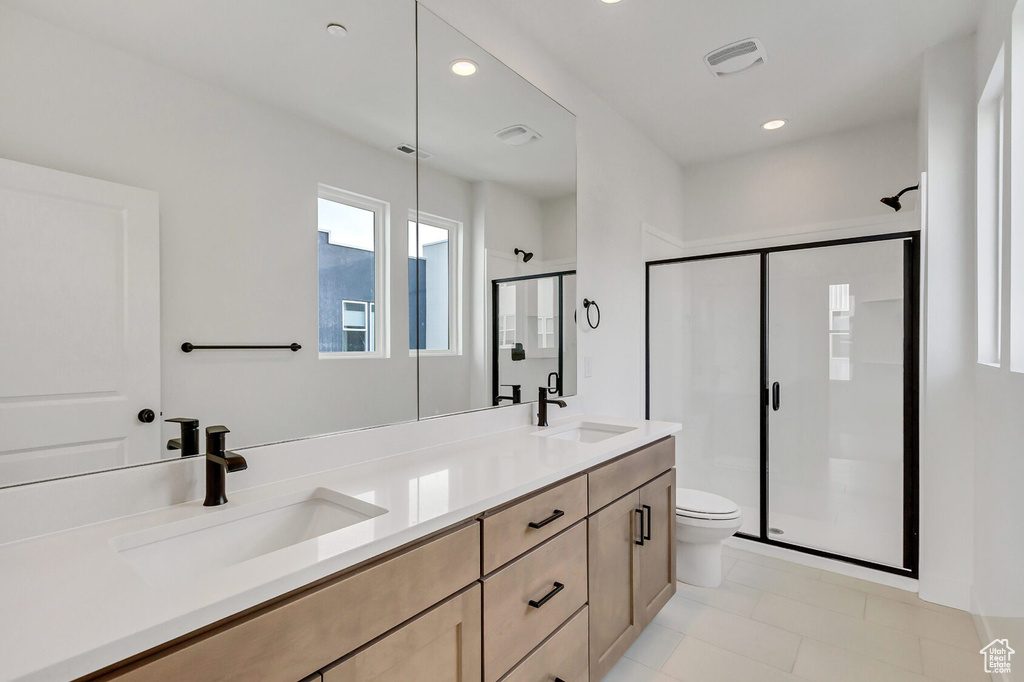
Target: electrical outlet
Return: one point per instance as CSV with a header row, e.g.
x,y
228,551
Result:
x,y
588,367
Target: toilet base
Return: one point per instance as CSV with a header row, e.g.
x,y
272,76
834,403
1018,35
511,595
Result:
x,y
699,564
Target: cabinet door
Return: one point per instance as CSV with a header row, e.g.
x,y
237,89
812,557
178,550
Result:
x,y
657,575
613,568
442,644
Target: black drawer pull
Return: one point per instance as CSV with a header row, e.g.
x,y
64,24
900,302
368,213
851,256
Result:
x,y
559,679
647,535
537,603
641,533
557,514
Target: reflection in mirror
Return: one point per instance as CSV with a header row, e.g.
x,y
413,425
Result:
x,y
532,336
497,198
227,173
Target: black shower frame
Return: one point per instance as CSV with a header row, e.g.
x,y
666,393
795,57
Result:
x,y
495,351
911,389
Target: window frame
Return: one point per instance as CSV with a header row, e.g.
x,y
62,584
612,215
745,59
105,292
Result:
x,y
381,273
454,229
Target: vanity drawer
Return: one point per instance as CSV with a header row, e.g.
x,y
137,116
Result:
x,y
289,640
512,625
613,480
563,657
508,533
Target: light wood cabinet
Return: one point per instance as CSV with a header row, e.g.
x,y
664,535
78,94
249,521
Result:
x,y
631,555
562,657
613,567
302,634
442,644
657,578
530,598
510,531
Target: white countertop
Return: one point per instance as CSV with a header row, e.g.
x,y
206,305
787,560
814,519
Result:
x,y
70,604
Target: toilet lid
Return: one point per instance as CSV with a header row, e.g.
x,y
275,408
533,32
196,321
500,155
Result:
x,y
701,504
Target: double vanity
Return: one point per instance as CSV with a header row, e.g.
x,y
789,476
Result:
x,y
511,555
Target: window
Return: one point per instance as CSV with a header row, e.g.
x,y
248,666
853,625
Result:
x,y
546,309
351,265
990,216
506,316
433,273
840,314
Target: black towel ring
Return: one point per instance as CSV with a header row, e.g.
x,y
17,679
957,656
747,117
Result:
x,y
588,304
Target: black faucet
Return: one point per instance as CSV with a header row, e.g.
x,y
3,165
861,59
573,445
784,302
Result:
x,y
218,464
189,441
542,405
516,397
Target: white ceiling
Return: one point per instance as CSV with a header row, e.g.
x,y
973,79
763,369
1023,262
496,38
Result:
x,y
363,85
832,64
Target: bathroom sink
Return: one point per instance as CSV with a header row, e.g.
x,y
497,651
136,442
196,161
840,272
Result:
x,y
226,537
585,432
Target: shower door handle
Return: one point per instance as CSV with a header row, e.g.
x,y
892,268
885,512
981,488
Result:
x,y
775,396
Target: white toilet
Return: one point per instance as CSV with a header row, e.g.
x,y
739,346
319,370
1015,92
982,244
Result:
x,y
703,522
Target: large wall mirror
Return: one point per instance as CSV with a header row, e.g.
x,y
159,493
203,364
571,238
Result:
x,y
180,179
497,230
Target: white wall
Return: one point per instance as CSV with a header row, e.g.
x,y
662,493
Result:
x,y
948,311
814,182
998,590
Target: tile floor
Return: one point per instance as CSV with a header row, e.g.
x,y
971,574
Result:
x,y
775,621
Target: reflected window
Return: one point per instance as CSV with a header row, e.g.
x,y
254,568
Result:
x,y
506,316
433,274
428,496
350,259
840,314
546,313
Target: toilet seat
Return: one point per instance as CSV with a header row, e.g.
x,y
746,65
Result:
x,y
698,504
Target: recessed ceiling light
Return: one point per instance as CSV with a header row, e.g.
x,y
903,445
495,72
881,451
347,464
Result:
x,y
337,30
463,67
774,124
610,2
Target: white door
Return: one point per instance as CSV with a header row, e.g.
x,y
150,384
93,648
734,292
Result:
x,y
79,323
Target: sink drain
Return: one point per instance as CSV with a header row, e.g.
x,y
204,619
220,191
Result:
x,y
775,531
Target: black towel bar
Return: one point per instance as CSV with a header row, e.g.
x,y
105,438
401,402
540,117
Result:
x,y
189,347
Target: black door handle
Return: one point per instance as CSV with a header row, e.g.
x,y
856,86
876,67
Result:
x,y
537,603
557,514
775,396
147,416
647,509
641,533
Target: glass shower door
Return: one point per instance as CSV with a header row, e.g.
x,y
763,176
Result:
x,y
704,345
835,399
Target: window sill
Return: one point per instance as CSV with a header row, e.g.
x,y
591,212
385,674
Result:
x,y
345,355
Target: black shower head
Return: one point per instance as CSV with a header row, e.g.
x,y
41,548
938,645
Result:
x,y
894,202
527,255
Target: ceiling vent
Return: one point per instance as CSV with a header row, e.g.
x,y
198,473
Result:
x,y
421,154
740,56
517,135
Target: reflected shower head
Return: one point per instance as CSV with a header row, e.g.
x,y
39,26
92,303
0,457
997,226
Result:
x,y
527,255
894,202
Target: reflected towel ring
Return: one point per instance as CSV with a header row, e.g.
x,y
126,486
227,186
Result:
x,y
588,304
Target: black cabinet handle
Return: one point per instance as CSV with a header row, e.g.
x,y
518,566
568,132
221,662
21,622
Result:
x,y
647,509
557,514
537,603
641,533
559,679
775,396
